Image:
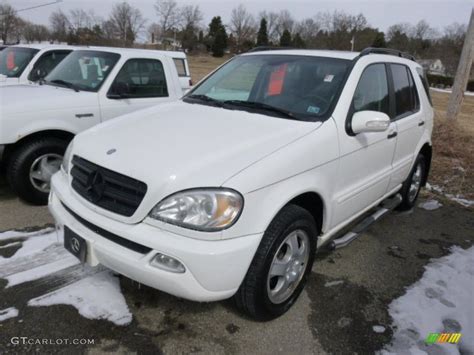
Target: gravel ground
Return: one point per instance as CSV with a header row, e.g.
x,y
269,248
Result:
x,y
346,296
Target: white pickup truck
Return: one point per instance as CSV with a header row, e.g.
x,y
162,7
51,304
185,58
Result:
x,y
90,86
29,63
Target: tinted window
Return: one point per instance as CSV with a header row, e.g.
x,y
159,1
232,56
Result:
x,y
143,78
303,86
180,66
14,60
424,81
46,64
87,70
372,90
406,97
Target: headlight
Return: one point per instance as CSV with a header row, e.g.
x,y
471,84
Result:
x,y
200,209
66,159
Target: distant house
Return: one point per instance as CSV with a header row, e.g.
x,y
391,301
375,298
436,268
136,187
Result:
x,y
433,66
165,42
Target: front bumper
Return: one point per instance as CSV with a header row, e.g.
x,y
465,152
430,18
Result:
x,y
214,269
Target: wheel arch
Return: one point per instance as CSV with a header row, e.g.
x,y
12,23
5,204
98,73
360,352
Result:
x,y
55,133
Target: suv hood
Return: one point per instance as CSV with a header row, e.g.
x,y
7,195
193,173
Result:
x,y
18,99
177,146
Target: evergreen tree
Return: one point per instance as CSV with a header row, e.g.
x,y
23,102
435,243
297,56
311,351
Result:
x,y
220,43
262,36
298,42
285,39
379,40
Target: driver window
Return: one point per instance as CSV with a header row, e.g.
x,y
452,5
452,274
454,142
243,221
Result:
x,y
46,64
372,90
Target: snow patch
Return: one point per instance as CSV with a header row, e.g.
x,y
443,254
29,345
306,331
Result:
x,y
8,313
441,301
430,205
456,198
41,271
36,242
333,283
467,93
95,297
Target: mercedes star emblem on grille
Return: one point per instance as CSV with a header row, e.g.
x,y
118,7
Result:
x,y
95,186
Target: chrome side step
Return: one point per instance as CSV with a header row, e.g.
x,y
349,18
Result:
x,y
385,207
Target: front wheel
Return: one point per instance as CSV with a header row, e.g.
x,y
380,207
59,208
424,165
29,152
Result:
x,y
412,185
279,269
31,166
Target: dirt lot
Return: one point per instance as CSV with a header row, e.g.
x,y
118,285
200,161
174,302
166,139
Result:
x,y
373,270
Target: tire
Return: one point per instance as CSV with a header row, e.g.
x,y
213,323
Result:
x,y
257,294
412,185
21,162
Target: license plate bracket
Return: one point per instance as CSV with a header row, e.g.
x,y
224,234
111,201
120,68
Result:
x,y
75,244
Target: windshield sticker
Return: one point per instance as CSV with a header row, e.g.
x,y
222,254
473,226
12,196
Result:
x,y
313,109
328,78
275,86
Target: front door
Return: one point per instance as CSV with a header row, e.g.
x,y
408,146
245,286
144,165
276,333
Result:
x,y
365,163
140,83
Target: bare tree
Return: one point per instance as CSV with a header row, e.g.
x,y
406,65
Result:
x,y
168,15
191,17
8,21
59,25
242,25
308,29
80,18
126,22
32,32
285,22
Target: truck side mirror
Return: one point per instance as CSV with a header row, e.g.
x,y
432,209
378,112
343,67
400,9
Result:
x,y
369,121
119,90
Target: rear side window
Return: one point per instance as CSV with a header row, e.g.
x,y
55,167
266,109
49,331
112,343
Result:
x,y
372,90
143,78
424,81
180,66
406,95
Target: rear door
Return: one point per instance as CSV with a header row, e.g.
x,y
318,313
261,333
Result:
x,y
148,83
409,119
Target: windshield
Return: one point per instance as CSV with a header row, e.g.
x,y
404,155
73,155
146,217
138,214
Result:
x,y
290,86
14,60
83,70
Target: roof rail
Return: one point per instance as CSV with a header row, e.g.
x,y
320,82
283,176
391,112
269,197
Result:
x,y
268,48
389,51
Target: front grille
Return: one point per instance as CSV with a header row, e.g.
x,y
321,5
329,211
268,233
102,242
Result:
x,y
139,248
106,188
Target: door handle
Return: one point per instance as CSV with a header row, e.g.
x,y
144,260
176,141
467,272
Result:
x,y
392,135
421,123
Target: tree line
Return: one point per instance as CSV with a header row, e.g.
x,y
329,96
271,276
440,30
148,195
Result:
x,y
173,22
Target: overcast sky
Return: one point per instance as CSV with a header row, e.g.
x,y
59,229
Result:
x,y
379,13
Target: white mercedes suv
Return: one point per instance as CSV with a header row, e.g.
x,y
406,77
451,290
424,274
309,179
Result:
x,y
230,191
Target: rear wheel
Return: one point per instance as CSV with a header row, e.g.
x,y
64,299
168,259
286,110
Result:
x,y
279,269
31,166
412,186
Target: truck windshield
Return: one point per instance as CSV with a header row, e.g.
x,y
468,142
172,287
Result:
x,y
83,70
289,86
14,60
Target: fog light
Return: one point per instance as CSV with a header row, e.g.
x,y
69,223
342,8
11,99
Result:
x,y
167,263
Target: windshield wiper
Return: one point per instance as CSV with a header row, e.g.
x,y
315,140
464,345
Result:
x,y
65,83
205,98
261,106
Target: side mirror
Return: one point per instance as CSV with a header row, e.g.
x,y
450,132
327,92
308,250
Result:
x,y
369,121
119,90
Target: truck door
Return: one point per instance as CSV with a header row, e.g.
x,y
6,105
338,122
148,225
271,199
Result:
x,y
140,83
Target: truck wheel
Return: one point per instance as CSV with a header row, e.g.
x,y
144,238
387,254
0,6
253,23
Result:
x,y
31,166
412,186
280,267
